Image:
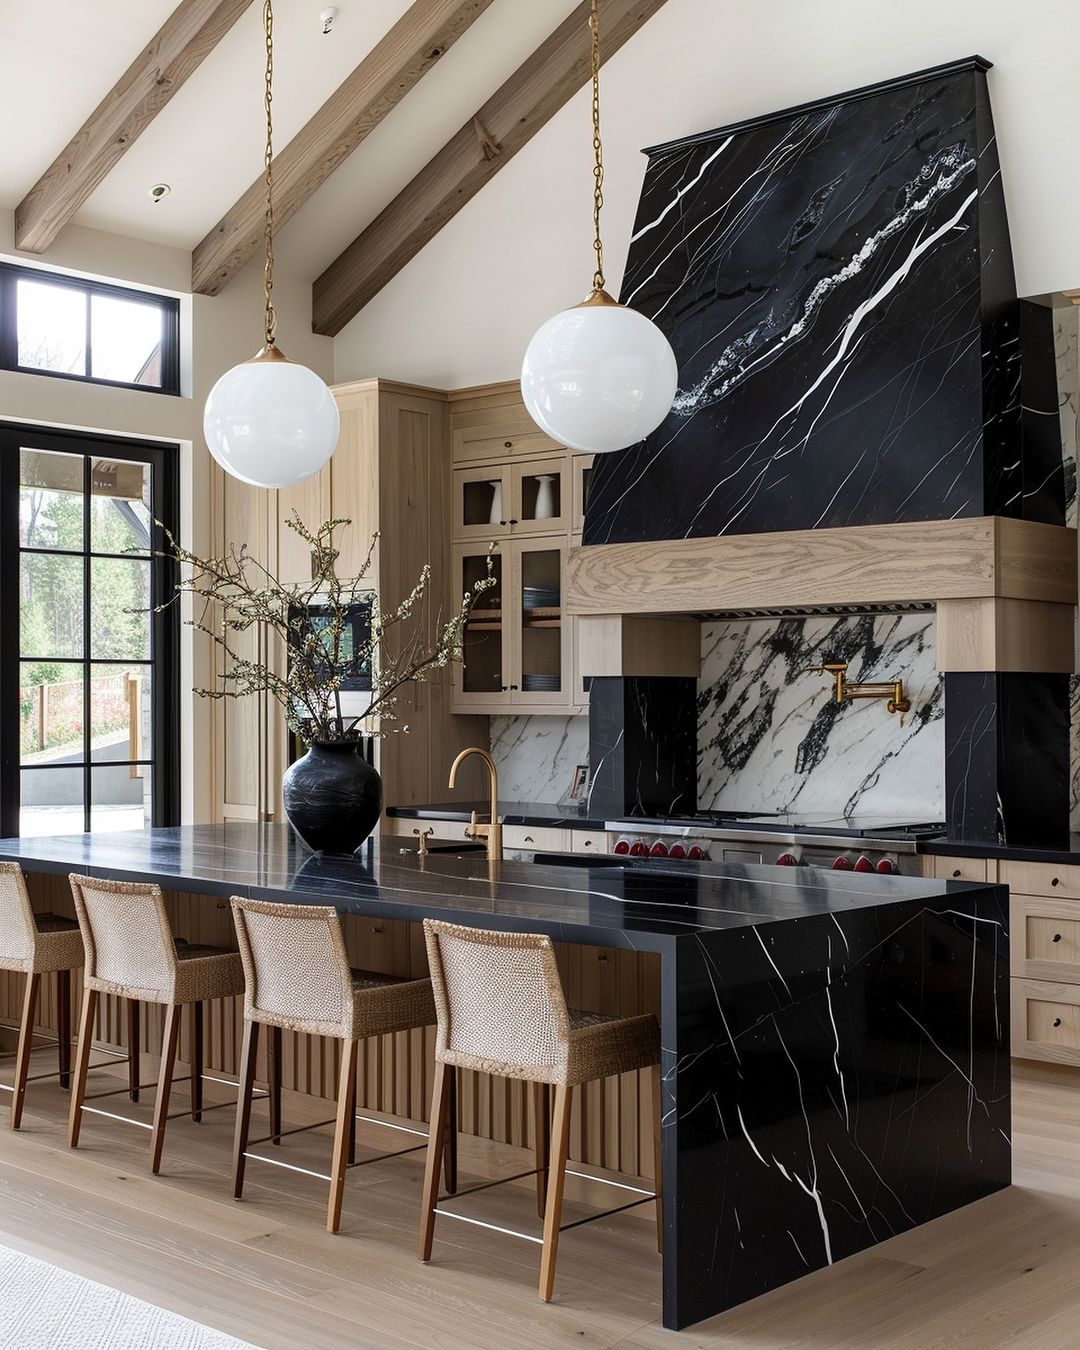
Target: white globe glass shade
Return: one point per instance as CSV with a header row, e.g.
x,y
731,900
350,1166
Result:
x,y
599,377
271,422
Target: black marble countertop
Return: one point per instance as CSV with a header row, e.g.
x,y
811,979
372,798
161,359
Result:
x,y
958,848
640,903
510,813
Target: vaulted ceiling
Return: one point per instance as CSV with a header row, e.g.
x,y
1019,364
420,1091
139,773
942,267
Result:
x,y
383,127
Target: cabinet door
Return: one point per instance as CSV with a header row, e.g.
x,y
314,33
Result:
x,y
581,469
541,499
483,503
540,660
482,680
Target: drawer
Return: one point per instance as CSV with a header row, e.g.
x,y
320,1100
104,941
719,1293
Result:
x,y
1045,938
477,443
546,838
1046,1021
961,869
1032,878
590,841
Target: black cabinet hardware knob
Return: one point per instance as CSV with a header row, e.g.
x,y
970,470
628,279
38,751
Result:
x,y
1057,937
1057,1021
377,928
508,445
513,686
1055,881
956,871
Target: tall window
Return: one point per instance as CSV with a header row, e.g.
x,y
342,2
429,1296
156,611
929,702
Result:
x,y
88,670
52,324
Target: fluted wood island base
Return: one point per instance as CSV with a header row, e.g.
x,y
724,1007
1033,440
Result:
x,y
835,1045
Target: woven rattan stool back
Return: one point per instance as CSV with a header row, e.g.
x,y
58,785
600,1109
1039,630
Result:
x,y
129,942
296,969
17,929
499,1000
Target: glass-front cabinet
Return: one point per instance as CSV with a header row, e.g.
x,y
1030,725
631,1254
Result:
x,y
517,650
501,501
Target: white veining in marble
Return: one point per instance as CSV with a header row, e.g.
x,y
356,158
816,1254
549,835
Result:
x,y
1067,353
536,756
771,736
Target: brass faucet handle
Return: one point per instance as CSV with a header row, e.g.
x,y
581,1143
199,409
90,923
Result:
x,y
423,836
828,668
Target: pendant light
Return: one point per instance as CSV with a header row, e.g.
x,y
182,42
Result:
x,y
270,422
599,376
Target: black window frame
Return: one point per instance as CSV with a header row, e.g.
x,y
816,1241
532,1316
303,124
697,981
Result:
x,y
10,276
164,659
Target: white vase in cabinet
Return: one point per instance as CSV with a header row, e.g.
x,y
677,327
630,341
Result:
x,y
545,497
496,517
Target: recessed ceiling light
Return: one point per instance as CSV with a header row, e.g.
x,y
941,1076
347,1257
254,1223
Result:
x,y
158,191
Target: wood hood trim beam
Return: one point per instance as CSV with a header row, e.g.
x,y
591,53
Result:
x,y
397,63
507,121
934,560
177,49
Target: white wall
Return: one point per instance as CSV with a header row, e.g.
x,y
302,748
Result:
x,y
463,310
216,333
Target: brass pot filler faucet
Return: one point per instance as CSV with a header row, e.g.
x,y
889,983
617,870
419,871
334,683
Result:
x,y
846,689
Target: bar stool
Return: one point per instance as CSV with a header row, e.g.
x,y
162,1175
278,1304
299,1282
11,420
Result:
x,y
501,1010
37,944
131,952
298,978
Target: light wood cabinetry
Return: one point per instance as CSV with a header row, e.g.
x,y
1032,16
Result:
x,y
514,489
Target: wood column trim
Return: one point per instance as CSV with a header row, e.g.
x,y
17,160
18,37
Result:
x,y
1002,634
616,644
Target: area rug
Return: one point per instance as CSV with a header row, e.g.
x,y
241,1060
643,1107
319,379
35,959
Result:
x,y
44,1308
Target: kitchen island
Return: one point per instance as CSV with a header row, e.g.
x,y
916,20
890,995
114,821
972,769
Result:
x,y
835,1045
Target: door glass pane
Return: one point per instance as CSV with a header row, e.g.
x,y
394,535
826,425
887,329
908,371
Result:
x,y
120,517
50,499
541,496
482,502
51,801
541,621
50,712
125,340
119,608
50,605
51,323
119,713
483,671
120,797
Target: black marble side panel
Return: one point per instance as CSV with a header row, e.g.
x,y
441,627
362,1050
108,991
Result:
x,y
642,746
1044,467
831,1084
1007,758
837,285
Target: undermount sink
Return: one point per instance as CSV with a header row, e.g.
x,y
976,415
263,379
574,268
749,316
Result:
x,y
581,860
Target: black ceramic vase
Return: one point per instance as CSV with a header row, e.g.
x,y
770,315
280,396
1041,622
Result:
x,y
332,796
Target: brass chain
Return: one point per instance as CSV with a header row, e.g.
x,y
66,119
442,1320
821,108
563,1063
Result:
x,y
268,162
598,150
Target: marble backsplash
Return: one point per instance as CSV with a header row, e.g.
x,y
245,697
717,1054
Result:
x,y
771,737
536,756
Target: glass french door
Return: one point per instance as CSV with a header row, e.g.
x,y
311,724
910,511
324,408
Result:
x,y
89,687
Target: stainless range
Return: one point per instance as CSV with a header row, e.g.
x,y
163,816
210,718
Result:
x,y
862,844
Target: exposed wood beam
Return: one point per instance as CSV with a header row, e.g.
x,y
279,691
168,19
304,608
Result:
x,y
507,121
189,34
426,30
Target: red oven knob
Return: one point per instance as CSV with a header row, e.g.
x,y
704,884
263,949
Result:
x,y
639,849
887,867
677,851
787,859
696,853
622,846
863,864
659,850
842,863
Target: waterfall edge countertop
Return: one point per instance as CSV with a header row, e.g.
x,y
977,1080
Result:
x,y
647,902
834,1045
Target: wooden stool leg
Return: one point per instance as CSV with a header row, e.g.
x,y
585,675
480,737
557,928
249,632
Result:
x,y
82,1064
134,1047
435,1142
169,1041
450,1153
658,1153
346,1107
542,1127
26,1045
196,1062
248,1050
273,1080
63,1026
556,1180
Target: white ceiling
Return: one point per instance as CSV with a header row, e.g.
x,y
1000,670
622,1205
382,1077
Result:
x,y
58,58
